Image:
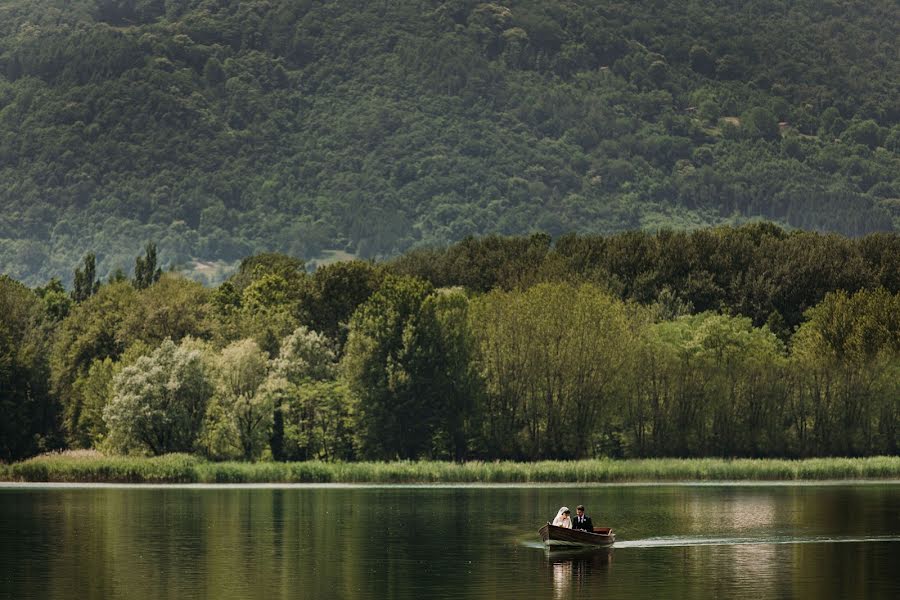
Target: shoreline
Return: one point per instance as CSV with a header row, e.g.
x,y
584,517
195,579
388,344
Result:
x,y
74,485
183,469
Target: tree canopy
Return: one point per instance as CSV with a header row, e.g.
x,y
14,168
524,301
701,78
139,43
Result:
x,y
748,341
217,130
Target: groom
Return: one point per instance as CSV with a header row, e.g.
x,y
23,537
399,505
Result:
x,y
582,521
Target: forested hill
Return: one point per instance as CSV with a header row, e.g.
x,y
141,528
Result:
x,y
220,128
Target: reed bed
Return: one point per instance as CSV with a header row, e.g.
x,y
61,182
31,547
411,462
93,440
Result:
x,y
87,466
90,466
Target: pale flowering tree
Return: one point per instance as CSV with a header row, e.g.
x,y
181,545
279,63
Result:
x,y
159,402
314,407
305,355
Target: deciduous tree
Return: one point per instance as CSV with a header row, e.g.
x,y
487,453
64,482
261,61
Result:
x,y
159,402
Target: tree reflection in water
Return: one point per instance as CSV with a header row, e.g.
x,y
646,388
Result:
x,y
575,568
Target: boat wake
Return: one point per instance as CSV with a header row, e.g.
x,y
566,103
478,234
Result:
x,y
677,541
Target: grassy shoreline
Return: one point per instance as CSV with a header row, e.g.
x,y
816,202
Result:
x,y
91,467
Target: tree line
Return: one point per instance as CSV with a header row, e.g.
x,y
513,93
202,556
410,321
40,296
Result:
x,y
230,128
747,341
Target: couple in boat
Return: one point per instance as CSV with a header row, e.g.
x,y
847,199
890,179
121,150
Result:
x,y
580,521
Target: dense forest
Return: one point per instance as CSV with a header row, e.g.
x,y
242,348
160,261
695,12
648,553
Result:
x,y
226,128
747,341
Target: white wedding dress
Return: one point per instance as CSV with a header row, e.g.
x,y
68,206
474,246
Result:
x,y
562,519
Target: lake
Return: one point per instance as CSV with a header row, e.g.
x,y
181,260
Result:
x,y
679,541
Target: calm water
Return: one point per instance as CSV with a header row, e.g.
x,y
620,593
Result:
x,y
771,541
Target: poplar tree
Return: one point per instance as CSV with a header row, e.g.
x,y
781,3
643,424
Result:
x,y
146,272
86,283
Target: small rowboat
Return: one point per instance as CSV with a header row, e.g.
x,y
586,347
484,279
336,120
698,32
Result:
x,y
562,536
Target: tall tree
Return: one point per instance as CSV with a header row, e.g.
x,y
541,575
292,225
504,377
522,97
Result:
x,y
335,291
86,282
92,330
239,420
146,272
175,307
28,410
385,370
313,407
552,358
845,360
453,379
159,402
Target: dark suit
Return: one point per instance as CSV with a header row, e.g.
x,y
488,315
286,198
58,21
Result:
x,y
585,523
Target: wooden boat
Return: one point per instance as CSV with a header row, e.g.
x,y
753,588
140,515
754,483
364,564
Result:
x,y
562,536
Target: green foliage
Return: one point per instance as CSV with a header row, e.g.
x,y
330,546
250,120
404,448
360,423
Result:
x,y
57,303
239,419
146,273
91,466
707,385
314,409
389,366
455,382
753,270
319,419
159,402
334,292
702,61
480,264
174,307
28,410
760,123
866,133
180,468
228,129
93,330
254,268
115,318
268,310
86,283
262,300
551,358
305,355
95,389
847,357
747,341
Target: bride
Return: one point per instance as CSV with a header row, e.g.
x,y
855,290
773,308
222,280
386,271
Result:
x,y
562,518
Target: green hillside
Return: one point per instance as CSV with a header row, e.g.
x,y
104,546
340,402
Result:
x,y
221,128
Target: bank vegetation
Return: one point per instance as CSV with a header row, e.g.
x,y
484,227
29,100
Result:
x,y
93,467
729,343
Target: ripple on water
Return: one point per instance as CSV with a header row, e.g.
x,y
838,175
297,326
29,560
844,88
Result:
x,y
679,541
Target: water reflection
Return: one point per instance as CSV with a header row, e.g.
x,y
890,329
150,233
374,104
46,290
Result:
x,y
447,543
745,511
575,569
754,562
747,515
